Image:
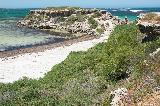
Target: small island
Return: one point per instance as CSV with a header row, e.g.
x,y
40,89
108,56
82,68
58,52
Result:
x,y
70,21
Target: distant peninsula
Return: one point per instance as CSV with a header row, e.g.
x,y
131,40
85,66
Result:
x,y
70,21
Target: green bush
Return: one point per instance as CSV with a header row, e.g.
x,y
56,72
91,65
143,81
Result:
x,y
92,22
71,19
100,30
97,14
61,19
78,18
81,18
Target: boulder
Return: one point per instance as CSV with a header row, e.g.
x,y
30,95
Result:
x,y
120,97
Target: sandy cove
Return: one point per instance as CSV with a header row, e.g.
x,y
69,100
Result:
x,y
35,65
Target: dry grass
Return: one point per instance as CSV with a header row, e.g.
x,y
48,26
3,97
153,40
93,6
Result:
x,y
151,17
151,100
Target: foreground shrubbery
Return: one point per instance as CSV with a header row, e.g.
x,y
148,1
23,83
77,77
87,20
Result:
x,y
86,78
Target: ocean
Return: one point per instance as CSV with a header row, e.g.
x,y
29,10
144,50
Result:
x,y
12,37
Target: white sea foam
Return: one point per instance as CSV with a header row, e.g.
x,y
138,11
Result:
x,y
135,11
114,10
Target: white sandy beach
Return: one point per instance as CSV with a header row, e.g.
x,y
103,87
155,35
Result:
x,y
35,65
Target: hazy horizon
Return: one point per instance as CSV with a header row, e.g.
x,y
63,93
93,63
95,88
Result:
x,y
80,3
77,6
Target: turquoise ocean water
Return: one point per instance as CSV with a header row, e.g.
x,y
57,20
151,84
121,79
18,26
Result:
x,y
12,37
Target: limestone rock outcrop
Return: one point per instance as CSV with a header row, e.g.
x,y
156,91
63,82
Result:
x,y
149,23
77,21
120,97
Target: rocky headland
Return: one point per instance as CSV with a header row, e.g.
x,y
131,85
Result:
x,y
70,21
149,25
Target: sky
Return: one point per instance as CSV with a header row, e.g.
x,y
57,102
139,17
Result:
x,y
80,3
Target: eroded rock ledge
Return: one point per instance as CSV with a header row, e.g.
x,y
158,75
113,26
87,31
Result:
x,y
149,23
73,21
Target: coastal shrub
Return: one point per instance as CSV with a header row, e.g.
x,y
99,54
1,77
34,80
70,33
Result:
x,y
97,14
71,19
92,22
78,18
84,78
100,30
61,19
81,18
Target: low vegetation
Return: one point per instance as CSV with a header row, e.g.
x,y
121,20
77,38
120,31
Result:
x,y
87,78
97,14
77,18
61,19
74,20
92,22
100,30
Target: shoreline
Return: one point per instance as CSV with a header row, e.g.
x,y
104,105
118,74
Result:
x,y
43,47
35,62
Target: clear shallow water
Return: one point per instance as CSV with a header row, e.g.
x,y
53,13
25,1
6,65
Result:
x,y
12,37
